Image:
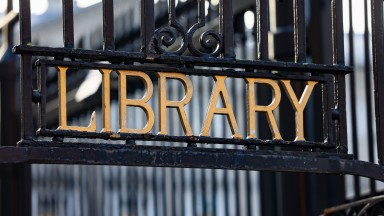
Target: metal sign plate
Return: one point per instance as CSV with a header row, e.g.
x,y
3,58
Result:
x,y
220,103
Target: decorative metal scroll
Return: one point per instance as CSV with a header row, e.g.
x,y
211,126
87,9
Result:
x,y
210,40
210,43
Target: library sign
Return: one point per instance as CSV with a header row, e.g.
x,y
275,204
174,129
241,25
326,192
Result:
x,y
219,92
220,102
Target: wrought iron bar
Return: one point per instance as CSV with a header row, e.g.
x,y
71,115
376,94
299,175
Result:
x,y
201,158
378,68
27,131
108,25
226,28
299,30
262,29
68,27
338,58
147,27
368,93
182,60
42,90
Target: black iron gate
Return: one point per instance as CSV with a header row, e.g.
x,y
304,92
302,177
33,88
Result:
x,y
196,51
218,47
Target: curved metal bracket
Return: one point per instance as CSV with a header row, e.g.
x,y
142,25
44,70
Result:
x,y
369,206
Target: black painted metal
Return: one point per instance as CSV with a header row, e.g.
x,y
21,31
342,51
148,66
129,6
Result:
x,y
26,72
369,206
175,48
262,29
338,59
108,25
15,179
49,152
378,68
68,25
368,86
299,30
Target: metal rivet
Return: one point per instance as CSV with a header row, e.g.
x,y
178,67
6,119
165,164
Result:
x,y
36,96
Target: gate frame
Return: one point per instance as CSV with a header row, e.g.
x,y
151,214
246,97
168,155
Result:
x,y
30,150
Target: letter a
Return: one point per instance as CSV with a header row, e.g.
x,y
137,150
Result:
x,y
252,108
220,90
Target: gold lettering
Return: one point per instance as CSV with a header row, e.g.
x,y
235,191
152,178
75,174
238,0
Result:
x,y
220,90
106,100
299,106
63,106
179,105
142,103
252,108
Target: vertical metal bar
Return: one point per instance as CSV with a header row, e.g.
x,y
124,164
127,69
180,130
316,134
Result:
x,y
262,29
68,29
42,89
155,192
15,180
226,192
167,208
368,88
147,24
193,191
226,27
299,30
203,185
135,189
172,10
338,58
26,72
249,192
337,32
183,181
356,183
327,105
378,73
237,193
25,22
108,25
214,190
201,11
173,199
145,188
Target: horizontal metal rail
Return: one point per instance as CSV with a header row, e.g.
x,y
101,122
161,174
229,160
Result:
x,y
283,72
120,56
188,157
191,139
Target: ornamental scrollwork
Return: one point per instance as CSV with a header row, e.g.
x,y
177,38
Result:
x,y
209,43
